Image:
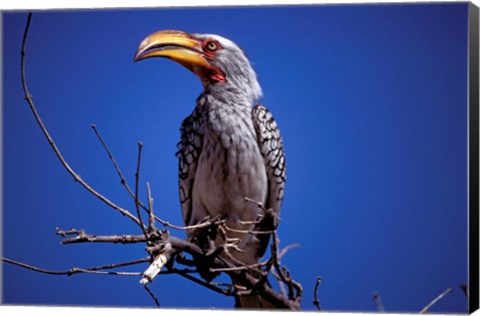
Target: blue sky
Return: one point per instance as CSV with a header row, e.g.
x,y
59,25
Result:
x,y
372,105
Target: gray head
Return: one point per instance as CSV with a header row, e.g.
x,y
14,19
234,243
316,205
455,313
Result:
x,y
220,64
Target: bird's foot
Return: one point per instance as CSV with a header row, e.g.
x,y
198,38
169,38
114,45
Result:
x,y
270,219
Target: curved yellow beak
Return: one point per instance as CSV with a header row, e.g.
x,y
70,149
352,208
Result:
x,y
176,45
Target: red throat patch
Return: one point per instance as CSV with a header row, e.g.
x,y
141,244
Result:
x,y
212,75
218,76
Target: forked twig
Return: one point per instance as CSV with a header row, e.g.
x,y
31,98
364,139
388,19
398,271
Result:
x,y
286,249
83,237
124,182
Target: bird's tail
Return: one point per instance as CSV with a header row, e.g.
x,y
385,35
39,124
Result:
x,y
252,301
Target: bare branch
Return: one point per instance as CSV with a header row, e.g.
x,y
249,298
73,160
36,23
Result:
x,y
123,181
94,270
71,231
137,178
251,232
83,237
316,302
259,204
168,224
152,295
378,301
151,217
283,274
438,298
286,249
239,268
208,285
177,244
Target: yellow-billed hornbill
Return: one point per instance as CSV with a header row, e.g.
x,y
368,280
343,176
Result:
x,y
230,147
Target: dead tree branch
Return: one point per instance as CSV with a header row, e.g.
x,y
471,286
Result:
x,y
438,298
82,236
378,301
123,180
137,179
93,270
178,245
154,298
316,302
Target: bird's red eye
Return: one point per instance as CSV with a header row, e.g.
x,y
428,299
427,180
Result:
x,y
212,46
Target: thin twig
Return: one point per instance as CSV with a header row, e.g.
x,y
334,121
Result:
x,y
191,227
137,178
316,302
250,232
286,249
95,270
71,231
378,301
152,295
76,177
123,181
120,239
464,288
239,268
259,204
208,285
151,217
283,273
281,285
438,298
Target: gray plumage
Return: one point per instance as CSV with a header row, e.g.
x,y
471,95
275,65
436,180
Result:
x,y
230,146
230,150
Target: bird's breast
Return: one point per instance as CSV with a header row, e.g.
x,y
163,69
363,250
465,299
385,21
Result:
x,y
230,166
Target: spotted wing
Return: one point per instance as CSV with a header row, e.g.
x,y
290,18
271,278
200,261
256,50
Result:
x,y
189,149
271,147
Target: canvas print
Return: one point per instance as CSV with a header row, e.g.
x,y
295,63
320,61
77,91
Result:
x,y
302,157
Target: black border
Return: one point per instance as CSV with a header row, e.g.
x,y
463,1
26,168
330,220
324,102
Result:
x,y
473,157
